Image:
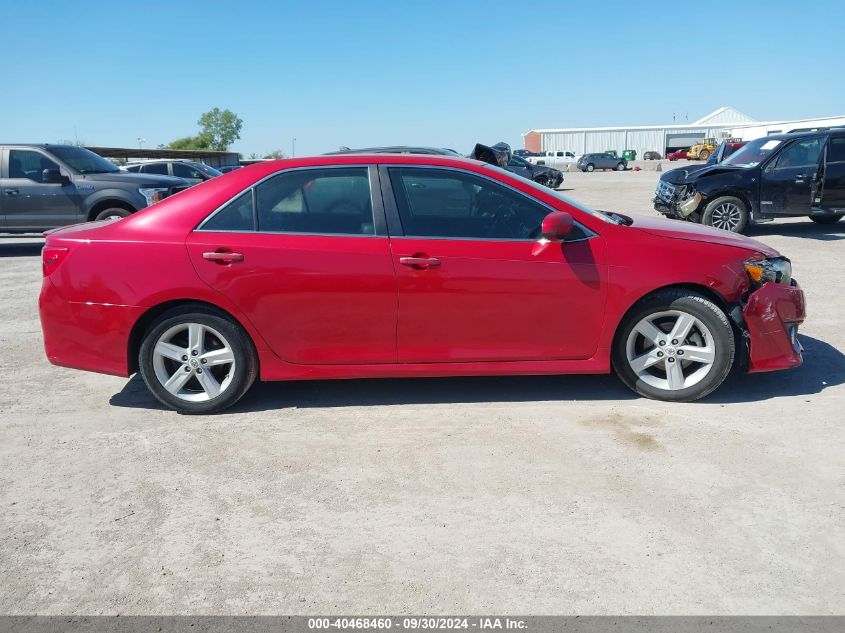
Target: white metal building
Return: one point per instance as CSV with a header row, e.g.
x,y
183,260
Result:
x,y
726,122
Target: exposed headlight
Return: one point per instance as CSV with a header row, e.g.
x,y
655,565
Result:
x,y
776,269
153,194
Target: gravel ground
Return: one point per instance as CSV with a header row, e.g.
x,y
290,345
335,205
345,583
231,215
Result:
x,y
550,495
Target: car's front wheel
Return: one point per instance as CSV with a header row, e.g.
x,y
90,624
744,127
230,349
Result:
x,y
674,345
589,167
727,213
195,360
114,213
620,166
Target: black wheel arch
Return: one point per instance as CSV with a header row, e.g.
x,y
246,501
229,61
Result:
x,y
142,325
732,310
109,203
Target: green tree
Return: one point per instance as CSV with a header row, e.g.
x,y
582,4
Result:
x,y
275,154
221,128
200,141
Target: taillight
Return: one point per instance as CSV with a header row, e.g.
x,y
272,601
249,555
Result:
x,y
51,258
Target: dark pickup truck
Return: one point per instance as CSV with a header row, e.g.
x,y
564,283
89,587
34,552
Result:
x,y
47,186
778,176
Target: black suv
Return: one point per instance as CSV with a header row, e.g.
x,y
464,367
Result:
x,y
783,175
46,186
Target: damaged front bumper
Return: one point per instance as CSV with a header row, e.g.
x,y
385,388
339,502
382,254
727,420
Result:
x,y
676,201
771,318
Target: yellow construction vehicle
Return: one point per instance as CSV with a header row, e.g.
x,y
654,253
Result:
x,y
702,151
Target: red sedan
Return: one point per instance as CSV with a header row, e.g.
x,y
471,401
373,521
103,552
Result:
x,y
680,154
358,266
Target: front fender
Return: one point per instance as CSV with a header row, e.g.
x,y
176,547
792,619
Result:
x,y
133,199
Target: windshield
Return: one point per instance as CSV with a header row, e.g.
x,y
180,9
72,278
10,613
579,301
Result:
x,y
84,161
592,212
753,153
208,171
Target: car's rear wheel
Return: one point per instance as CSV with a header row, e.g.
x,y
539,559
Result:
x,y
674,345
589,167
620,166
727,213
825,219
195,360
113,214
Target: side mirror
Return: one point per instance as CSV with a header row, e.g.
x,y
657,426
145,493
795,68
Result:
x,y
556,226
52,177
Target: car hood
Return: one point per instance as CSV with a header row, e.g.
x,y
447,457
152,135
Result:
x,y
692,173
141,180
681,230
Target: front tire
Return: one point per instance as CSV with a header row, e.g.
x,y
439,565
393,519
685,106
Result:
x,y
726,213
589,167
196,360
704,155
620,166
674,345
112,214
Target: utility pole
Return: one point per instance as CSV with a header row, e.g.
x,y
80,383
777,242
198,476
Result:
x,y
141,142
293,147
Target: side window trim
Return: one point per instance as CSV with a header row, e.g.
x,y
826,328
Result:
x,y
378,209
394,221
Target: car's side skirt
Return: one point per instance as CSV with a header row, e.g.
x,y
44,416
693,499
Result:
x,y
272,369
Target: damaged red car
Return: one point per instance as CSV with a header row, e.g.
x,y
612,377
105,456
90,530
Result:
x,y
366,266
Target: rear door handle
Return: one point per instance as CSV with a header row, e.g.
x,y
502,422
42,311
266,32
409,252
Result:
x,y
11,192
420,263
223,258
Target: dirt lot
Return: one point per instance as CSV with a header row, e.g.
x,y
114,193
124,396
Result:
x,y
549,495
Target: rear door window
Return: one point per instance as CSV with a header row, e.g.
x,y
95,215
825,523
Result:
x,y
183,170
332,201
236,216
836,150
154,168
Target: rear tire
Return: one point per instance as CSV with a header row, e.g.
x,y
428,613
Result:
x,y
826,219
704,155
726,213
681,369
113,213
196,360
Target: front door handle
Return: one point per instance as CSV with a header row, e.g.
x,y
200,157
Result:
x,y
11,192
222,257
420,263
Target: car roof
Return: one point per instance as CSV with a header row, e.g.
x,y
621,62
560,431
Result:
x,y
398,149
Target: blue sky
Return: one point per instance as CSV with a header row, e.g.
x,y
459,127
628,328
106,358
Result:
x,y
444,73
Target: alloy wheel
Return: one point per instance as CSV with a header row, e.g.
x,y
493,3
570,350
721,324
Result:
x,y
727,216
671,350
194,362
